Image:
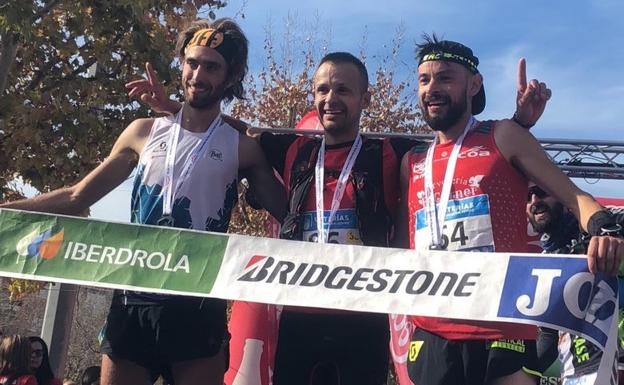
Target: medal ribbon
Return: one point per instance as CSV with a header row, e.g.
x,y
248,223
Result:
x,y
168,192
340,187
436,215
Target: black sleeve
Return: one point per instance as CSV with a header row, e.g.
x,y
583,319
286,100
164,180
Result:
x,y
275,147
403,145
547,352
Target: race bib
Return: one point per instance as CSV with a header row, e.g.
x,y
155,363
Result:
x,y
344,229
468,226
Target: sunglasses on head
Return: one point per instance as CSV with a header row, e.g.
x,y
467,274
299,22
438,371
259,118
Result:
x,y
537,191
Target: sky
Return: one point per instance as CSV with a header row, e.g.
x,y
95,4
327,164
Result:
x,y
576,47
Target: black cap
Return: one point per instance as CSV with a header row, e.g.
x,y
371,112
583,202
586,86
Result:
x,y
455,52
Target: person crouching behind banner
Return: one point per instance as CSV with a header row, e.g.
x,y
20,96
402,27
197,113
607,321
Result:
x,y
188,167
486,194
560,234
15,361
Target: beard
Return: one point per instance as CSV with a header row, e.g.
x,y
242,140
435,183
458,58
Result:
x,y
442,122
206,100
552,220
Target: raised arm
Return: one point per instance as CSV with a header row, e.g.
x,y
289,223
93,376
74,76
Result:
x,y
531,98
265,187
525,153
109,174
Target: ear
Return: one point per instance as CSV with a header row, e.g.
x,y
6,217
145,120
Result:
x,y
366,99
475,84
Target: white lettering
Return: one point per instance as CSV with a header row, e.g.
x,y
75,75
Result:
x,y
107,254
94,252
152,257
139,255
571,292
183,264
69,247
168,263
120,253
79,251
543,288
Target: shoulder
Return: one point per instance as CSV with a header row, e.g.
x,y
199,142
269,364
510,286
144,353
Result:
x,y
140,127
237,124
134,136
513,141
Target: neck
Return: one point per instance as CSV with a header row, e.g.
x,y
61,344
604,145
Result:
x,y
332,138
455,131
198,120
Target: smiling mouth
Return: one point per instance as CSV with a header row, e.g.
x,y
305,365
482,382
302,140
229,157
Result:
x,y
196,89
332,113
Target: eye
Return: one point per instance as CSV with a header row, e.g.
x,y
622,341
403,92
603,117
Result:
x,y
343,90
322,89
193,64
211,66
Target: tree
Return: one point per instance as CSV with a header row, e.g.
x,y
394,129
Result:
x,y
63,65
281,93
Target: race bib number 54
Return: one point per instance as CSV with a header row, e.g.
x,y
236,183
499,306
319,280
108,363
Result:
x,y
467,227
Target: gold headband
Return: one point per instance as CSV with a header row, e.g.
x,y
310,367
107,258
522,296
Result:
x,y
206,37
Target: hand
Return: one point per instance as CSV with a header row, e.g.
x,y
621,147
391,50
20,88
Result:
x,y
531,98
604,254
152,93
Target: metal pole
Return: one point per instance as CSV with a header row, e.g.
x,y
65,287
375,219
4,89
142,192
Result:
x,y
57,323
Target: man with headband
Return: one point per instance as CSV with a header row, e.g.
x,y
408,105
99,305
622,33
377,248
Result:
x,y
360,196
188,166
467,192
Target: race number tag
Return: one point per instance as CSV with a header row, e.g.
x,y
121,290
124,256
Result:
x,y
344,229
467,227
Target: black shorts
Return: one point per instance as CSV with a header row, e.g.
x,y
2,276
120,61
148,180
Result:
x,y
433,360
332,349
155,336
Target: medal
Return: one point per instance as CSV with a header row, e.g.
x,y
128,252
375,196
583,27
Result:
x,y
165,220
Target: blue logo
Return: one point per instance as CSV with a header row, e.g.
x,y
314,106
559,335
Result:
x,y
559,291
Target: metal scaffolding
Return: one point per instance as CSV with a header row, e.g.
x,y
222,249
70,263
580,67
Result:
x,y
589,159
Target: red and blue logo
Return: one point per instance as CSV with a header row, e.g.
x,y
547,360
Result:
x,y
44,245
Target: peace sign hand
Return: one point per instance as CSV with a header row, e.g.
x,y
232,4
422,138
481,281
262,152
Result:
x,y
152,92
531,98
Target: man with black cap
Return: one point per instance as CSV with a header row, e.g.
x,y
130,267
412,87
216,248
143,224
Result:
x,y
467,191
188,166
560,234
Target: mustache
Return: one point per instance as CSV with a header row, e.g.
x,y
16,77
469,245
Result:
x,y
437,98
190,83
539,206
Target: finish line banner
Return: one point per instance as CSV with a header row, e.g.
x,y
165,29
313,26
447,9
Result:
x,y
548,290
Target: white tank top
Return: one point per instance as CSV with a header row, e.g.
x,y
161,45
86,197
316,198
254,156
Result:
x,y
206,198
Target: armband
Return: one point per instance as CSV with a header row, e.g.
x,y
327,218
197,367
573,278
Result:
x,y
518,122
603,223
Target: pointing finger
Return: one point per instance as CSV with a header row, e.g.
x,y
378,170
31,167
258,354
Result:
x,y
522,82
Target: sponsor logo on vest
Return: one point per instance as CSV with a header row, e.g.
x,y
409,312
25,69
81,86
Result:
x,y
414,349
589,300
474,152
270,270
400,340
38,244
153,260
216,155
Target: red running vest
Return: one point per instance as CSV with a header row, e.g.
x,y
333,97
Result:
x,y
486,212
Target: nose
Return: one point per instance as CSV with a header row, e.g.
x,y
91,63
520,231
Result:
x,y
534,198
330,97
